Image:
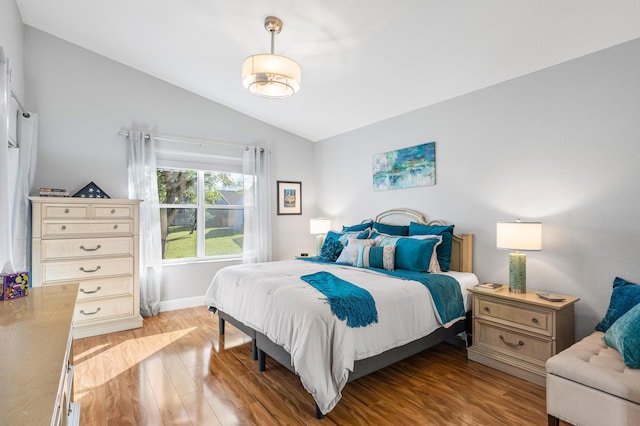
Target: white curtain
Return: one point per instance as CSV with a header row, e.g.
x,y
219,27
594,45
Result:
x,y
28,147
257,217
6,255
143,185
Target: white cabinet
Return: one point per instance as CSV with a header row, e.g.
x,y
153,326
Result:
x,y
37,337
95,243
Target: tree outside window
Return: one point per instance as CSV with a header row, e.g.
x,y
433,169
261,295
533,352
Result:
x,y
201,213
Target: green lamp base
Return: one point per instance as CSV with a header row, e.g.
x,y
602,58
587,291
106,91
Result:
x,y
517,273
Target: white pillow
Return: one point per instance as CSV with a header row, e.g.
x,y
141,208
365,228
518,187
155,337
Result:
x,y
349,254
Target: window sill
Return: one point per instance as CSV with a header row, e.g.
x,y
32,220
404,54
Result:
x,y
181,262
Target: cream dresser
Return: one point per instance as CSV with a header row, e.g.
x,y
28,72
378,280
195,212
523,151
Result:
x,y
517,332
92,242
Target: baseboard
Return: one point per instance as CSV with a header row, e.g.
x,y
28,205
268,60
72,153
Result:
x,y
189,302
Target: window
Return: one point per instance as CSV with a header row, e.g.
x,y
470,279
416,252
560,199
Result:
x,y
201,213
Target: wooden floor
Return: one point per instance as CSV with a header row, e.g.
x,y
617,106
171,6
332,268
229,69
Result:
x,y
178,370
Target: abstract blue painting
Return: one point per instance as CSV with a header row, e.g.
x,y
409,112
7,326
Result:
x,y
405,168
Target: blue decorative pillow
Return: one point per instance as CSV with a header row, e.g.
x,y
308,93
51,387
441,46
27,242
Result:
x,y
624,335
625,295
376,257
444,249
360,235
400,230
358,227
414,255
331,249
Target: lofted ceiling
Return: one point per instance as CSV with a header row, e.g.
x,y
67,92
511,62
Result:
x,y
362,61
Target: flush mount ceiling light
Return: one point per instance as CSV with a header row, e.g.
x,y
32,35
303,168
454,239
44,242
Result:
x,y
270,75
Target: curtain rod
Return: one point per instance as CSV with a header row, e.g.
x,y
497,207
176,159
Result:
x,y
25,114
186,140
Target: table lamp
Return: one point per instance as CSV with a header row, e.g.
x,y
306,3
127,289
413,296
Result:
x,y
518,236
319,227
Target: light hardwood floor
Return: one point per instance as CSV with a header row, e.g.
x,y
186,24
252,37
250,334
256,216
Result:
x,y
178,370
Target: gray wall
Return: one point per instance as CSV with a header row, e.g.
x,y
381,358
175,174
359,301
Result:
x,y
561,146
12,39
84,99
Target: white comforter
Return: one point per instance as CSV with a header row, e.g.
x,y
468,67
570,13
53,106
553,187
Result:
x,y
272,299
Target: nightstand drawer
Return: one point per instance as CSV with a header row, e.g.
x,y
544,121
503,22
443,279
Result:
x,y
536,320
511,342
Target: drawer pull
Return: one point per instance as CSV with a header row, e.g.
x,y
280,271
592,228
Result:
x,y
66,210
90,270
90,249
513,345
91,292
113,211
534,320
63,227
89,313
115,226
486,309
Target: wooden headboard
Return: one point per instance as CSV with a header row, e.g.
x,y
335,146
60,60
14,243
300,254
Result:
x,y
462,247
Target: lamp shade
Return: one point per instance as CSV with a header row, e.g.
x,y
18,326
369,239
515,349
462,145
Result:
x,y
319,225
271,76
519,235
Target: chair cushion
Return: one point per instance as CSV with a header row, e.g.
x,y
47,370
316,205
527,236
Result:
x,y
592,363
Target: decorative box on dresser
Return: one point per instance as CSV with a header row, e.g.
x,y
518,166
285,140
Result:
x,y
517,332
93,242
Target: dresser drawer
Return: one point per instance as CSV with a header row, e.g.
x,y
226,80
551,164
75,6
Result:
x,y
86,247
535,320
71,229
113,212
86,311
61,211
488,336
107,287
86,269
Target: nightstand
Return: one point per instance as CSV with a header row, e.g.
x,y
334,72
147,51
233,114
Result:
x,y
517,332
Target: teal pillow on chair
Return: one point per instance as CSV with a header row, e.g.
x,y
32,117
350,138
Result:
x,y
624,335
625,295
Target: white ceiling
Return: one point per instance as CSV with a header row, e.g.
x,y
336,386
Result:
x,y
362,61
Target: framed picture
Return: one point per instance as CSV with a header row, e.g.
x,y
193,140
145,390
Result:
x,y
405,168
289,197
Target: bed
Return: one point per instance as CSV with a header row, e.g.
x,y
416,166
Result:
x,y
292,322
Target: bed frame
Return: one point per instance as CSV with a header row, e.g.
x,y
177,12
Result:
x,y
461,260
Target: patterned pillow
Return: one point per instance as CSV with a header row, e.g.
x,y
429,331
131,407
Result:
x,y
376,257
349,254
331,249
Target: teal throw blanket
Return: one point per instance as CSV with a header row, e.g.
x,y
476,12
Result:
x,y
445,293
347,301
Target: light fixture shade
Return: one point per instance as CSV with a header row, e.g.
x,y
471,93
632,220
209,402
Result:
x,y
319,226
519,235
271,76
